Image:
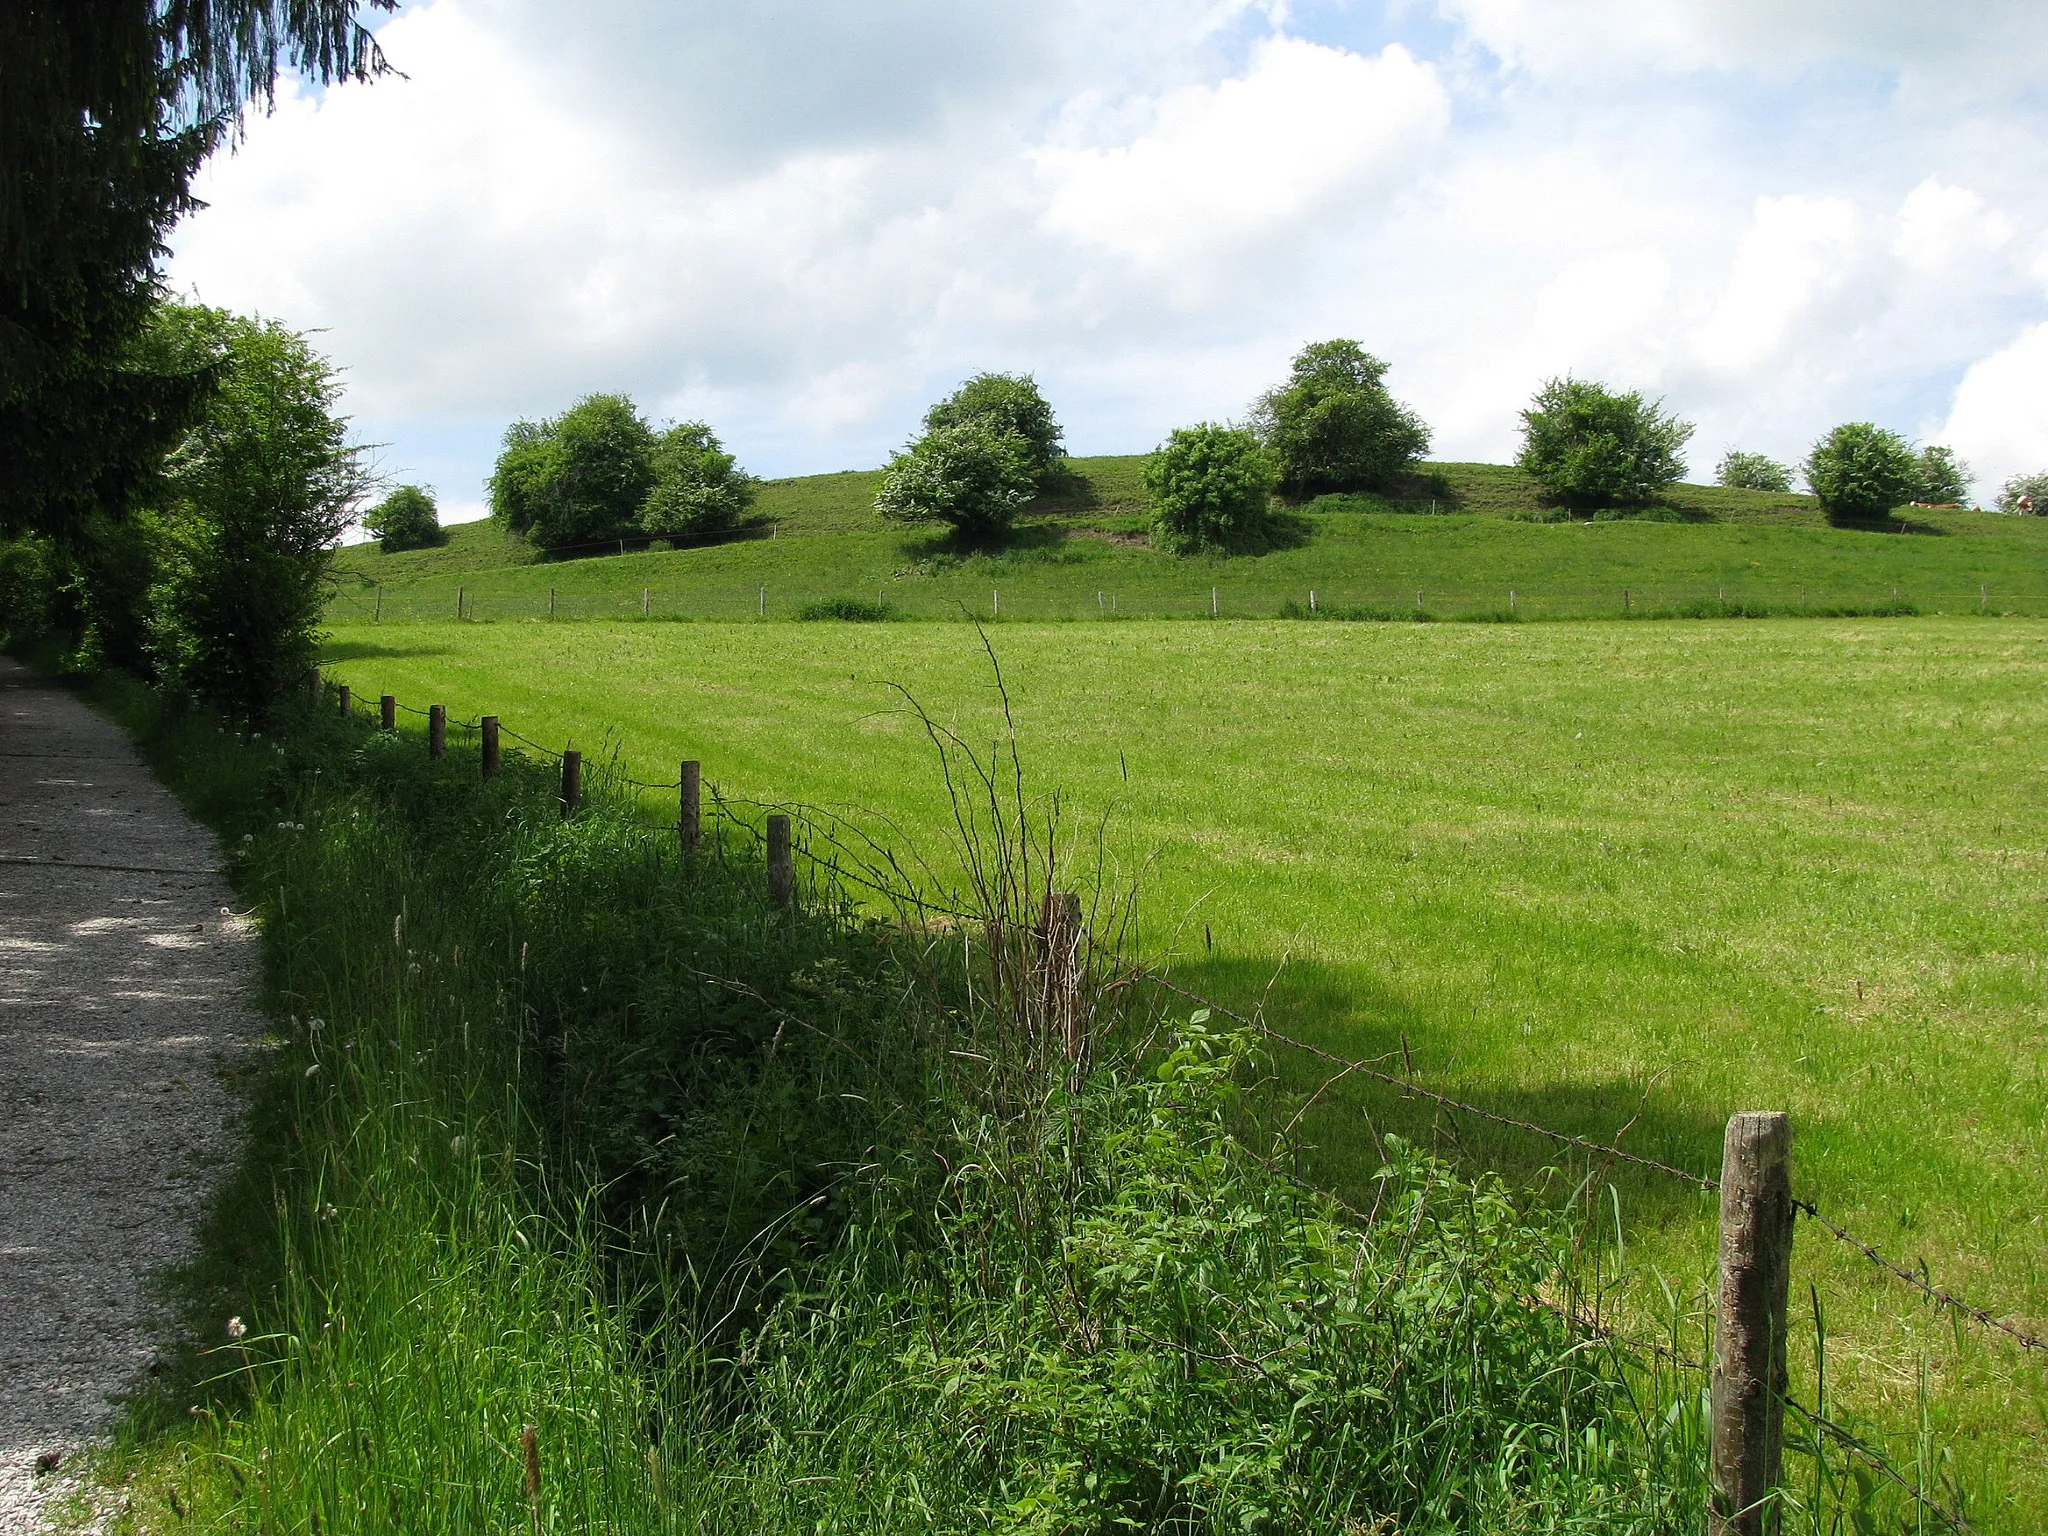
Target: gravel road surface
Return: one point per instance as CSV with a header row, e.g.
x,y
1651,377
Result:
x,y
123,982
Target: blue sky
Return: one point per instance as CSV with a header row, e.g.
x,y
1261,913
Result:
x,y
803,220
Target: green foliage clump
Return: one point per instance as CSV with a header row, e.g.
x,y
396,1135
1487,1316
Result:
x,y
1752,472
254,498
2025,494
577,478
974,475
1212,488
406,519
29,575
1944,478
699,488
1861,472
853,610
1334,426
1007,402
1590,447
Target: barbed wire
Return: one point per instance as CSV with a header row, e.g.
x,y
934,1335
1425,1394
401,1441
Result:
x,y
1935,1293
1855,1446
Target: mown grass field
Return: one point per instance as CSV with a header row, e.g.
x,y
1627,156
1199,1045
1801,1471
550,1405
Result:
x,y
1597,875
1082,555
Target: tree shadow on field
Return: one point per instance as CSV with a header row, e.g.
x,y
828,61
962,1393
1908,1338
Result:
x,y
369,650
950,544
1890,524
1351,1013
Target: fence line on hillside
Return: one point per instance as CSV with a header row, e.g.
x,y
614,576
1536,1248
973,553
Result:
x,y
1750,1197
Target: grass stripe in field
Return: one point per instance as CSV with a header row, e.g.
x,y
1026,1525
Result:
x,y
1590,873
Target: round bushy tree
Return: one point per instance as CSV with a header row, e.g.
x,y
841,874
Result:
x,y
1752,472
1590,447
579,478
971,474
406,519
698,488
2025,494
1211,486
1008,402
1333,426
1944,478
1860,471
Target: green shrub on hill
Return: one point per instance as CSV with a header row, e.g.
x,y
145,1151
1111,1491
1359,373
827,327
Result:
x,y
577,478
1944,478
698,487
1860,472
2025,494
1333,426
974,475
1211,487
1007,402
1752,472
406,519
1590,447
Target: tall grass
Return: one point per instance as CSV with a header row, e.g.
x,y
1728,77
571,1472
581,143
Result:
x,y
588,1191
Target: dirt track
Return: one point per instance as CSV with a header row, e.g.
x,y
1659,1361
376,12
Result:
x,y
122,981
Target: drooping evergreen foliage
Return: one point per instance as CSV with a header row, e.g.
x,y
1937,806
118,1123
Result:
x,y
1590,447
1007,402
1211,487
406,519
1334,426
1860,472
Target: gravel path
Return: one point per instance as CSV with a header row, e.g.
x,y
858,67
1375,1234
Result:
x,y
122,979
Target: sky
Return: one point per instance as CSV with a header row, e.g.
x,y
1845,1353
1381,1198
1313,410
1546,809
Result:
x,y
804,220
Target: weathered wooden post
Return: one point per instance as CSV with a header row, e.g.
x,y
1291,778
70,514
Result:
x,y
1066,967
461,597
344,701
643,602
1214,610
387,712
781,863
1512,607
313,684
551,602
437,730
378,616
1311,599
1749,1340
690,811
572,783
488,725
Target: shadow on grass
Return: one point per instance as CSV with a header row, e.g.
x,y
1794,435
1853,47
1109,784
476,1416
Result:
x,y
1344,1118
371,650
1893,524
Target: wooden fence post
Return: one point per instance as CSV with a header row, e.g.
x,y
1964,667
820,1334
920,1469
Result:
x,y
551,602
690,811
1214,610
781,863
489,727
344,701
461,599
1066,966
1512,608
437,730
572,783
643,602
387,712
1749,1339
313,684
1624,600
378,616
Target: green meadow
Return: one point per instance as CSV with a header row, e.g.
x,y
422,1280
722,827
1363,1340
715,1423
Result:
x,y
1619,879
1461,546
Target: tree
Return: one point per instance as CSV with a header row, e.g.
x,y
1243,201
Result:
x,y
1590,447
698,487
1211,487
1860,471
1334,426
579,478
406,519
255,496
109,108
972,474
1008,402
1944,478
1752,472
2025,494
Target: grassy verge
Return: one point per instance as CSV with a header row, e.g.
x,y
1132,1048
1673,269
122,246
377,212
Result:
x,y
1597,876
587,1191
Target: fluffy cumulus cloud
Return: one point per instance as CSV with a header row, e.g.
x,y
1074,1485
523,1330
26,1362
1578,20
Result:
x,y
805,222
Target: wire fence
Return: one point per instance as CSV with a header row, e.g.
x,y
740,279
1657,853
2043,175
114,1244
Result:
x,y
1072,600
862,869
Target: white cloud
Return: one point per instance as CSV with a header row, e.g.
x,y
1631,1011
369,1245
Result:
x,y
1938,223
1795,251
1996,421
1251,156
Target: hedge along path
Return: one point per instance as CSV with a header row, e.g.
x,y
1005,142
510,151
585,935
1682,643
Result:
x,y
123,979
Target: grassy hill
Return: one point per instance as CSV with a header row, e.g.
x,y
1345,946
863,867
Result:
x,y
1461,542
